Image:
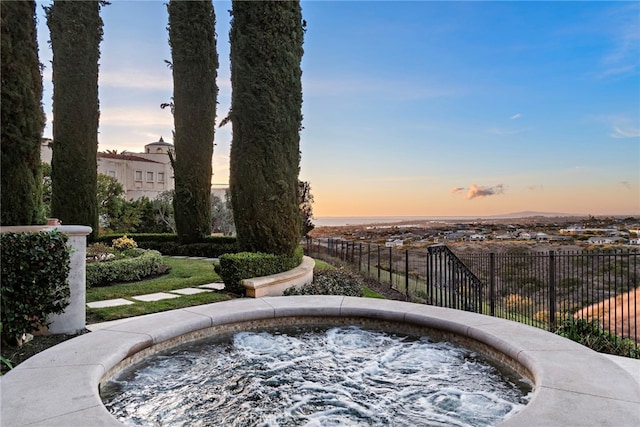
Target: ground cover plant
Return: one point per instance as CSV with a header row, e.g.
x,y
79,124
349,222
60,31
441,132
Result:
x,y
591,334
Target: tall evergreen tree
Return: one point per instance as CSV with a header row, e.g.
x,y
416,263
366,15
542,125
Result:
x,y
195,68
266,51
76,33
22,115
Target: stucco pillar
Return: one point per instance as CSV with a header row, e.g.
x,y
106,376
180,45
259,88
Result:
x,y
73,319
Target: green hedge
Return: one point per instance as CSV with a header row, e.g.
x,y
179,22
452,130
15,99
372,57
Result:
x,y
167,244
124,270
331,282
233,268
34,272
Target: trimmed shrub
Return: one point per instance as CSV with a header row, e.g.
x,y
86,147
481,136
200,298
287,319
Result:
x,y
590,334
234,268
331,282
139,237
124,243
22,118
75,30
209,250
266,117
125,270
167,244
194,63
34,272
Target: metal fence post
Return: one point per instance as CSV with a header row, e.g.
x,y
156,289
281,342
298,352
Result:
x,y
390,268
378,246
406,271
492,284
552,291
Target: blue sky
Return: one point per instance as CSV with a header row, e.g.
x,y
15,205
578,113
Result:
x,y
422,108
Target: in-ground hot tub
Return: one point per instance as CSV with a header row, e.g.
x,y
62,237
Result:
x,y
316,372
573,386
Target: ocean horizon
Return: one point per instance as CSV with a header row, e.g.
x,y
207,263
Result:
x,y
335,221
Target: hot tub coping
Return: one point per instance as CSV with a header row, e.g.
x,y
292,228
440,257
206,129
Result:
x,y
573,384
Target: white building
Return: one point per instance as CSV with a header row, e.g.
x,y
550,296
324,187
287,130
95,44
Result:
x,y
141,174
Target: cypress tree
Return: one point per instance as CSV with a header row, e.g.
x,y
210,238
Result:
x,y
22,115
195,68
76,33
266,51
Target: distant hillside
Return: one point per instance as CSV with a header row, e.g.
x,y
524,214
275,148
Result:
x,y
526,214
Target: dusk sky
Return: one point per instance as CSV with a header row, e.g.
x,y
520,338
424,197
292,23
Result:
x,y
420,108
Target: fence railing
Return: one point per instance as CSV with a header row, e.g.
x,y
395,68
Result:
x,y
540,289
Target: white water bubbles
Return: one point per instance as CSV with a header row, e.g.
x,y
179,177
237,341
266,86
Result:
x,y
332,376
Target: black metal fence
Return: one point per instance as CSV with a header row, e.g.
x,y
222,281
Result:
x,y
536,288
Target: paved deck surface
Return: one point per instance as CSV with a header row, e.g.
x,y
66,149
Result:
x,y
574,386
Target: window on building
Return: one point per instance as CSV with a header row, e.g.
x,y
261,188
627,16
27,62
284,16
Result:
x,y
149,176
160,176
138,175
112,174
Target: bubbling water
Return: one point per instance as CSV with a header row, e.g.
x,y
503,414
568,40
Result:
x,y
340,376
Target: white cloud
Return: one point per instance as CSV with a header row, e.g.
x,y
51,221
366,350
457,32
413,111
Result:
x,y
136,79
629,132
134,117
145,79
624,57
515,116
479,191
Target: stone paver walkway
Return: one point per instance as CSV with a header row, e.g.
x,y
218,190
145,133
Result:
x,y
176,293
155,297
109,303
162,295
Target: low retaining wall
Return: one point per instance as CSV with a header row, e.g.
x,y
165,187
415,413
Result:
x,y
574,386
276,284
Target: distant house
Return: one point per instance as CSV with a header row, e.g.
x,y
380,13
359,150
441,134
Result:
x,y
506,236
141,174
604,240
635,241
394,243
477,237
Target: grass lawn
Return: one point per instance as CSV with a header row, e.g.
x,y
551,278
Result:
x,y
184,273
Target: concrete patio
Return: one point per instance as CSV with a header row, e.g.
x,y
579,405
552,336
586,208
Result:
x,y
574,386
